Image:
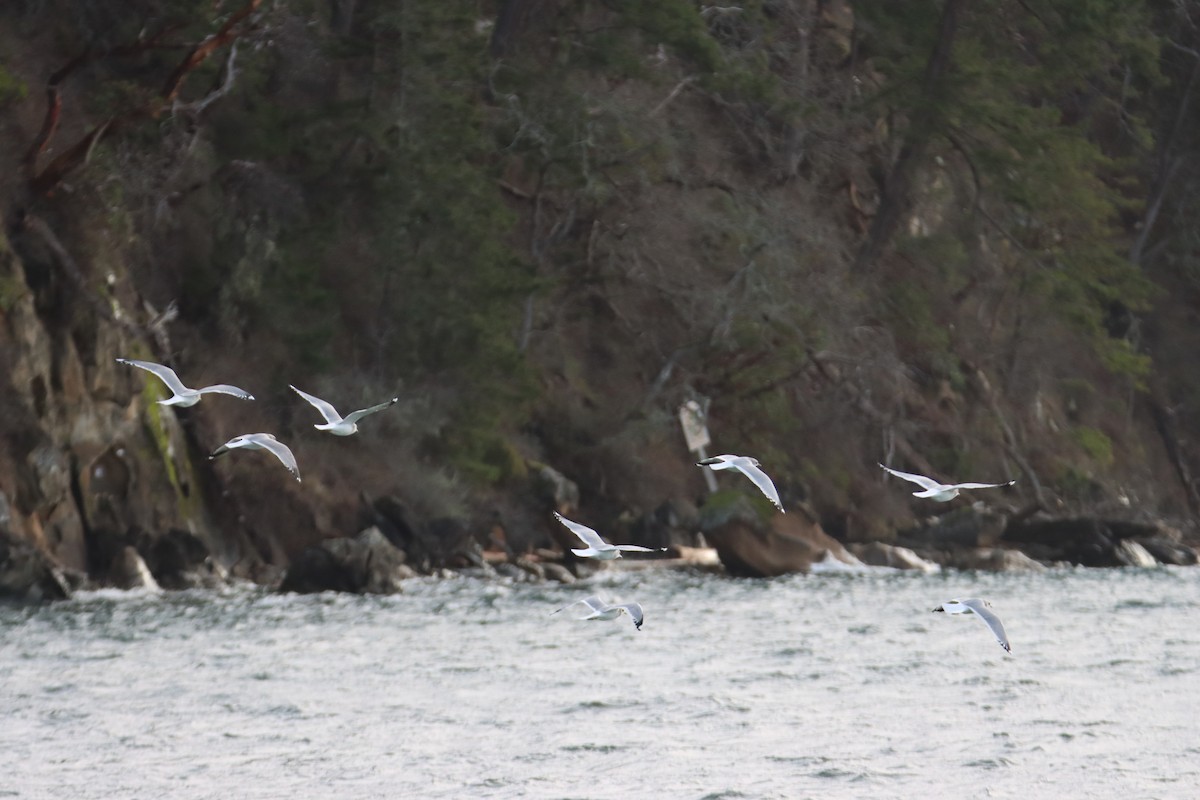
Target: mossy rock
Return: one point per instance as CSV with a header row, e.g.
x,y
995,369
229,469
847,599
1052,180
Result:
x,y
730,505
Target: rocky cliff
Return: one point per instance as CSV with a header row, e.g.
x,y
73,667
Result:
x,y
856,234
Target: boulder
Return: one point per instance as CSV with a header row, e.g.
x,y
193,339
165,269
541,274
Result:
x,y
1168,551
129,571
557,572
534,568
515,573
878,554
993,559
365,564
26,573
439,544
970,526
756,541
180,559
672,524
1134,555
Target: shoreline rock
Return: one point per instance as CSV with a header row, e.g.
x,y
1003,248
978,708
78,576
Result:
x,y
751,546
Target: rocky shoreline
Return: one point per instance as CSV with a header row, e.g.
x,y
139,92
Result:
x,y
732,533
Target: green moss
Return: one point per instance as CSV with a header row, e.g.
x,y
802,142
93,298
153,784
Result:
x,y
1095,443
912,315
12,88
153,390
725,500
11,290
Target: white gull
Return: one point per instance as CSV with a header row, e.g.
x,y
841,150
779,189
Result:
x,y
597,548
601,610
981,609
335,423
941,492
182,395
750,468
261,441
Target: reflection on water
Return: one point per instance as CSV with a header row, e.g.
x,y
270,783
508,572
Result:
x,y
836,685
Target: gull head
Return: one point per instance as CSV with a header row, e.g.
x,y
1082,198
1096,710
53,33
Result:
x,y
939,608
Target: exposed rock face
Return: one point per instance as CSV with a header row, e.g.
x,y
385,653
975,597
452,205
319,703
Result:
x,y
750,546
366,564
878,554
90,464
27,574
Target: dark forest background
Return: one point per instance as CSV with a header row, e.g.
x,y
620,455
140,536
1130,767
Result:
x,y
957,237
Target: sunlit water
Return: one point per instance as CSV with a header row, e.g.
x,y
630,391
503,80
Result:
x,y
825,686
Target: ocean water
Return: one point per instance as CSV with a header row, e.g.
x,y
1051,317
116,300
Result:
x,y
824,686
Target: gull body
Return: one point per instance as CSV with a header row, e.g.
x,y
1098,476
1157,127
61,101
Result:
x,y
335,423
750,468
600,610
597,548
981,609
180,394
940,492
261,441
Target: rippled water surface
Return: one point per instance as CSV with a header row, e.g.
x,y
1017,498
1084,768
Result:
x,y
825,686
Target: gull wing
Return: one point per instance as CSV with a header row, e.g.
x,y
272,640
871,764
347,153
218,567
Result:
x,y
223,449
164,374
278,449
586,534
327,411
759,479
929,484
594,603
982,485
990,619
637,548
634,610
357,415
718,462
225,388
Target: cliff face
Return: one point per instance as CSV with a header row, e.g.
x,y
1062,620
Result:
x,y
545,227
91,463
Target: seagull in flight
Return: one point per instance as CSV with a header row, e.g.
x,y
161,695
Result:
x,y
335,423
182,395
750,468
981,609
261,441
597,548
602,610
941,492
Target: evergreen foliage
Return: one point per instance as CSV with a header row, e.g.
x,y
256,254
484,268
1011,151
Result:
x,y
1041,104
